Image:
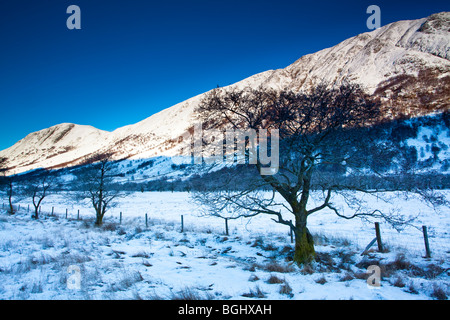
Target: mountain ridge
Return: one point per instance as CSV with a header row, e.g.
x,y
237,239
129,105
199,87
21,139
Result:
x,y
406,64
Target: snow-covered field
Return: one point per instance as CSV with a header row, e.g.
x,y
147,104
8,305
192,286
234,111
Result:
x,y
132,260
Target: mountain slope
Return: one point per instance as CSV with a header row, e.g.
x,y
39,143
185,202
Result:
x,y
406,64
373,57
60,145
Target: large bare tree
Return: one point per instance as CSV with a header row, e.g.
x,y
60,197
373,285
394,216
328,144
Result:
x,y
322,134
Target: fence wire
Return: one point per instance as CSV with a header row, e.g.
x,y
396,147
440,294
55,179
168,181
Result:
x,y
411,239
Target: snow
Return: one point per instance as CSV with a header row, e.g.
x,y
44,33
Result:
x,y
373,57
157,261
132,260
56,145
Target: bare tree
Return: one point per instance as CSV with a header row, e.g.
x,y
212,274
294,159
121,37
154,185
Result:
x,y
96,184
323,134
8,183
38,187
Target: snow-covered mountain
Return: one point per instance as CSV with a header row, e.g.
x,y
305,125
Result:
x,y
406,64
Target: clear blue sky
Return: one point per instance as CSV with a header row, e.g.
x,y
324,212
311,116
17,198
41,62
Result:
x,y
133,58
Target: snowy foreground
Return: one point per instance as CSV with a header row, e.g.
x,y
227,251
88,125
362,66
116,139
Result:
x,y
59,258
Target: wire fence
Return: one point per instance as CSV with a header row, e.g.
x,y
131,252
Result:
x,y
425,242
413,240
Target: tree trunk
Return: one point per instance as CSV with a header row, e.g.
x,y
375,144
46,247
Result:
x,y
100,208
11,208
304,244
36,207
99,220
36,213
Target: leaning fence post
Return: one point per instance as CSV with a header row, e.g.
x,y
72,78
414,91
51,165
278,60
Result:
x,y
378,234
427,245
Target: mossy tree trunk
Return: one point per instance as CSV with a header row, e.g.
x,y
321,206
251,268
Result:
x,y
297,196
304,245
304,242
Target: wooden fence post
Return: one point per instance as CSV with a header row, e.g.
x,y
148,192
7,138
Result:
x,y
120,217
369,246
53,210
78,214
182,223
226,226
378,234
146,220
427,245
66,213
291,234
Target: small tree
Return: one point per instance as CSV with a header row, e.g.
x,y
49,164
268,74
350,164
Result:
x,y
7,182
96,184
39,187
